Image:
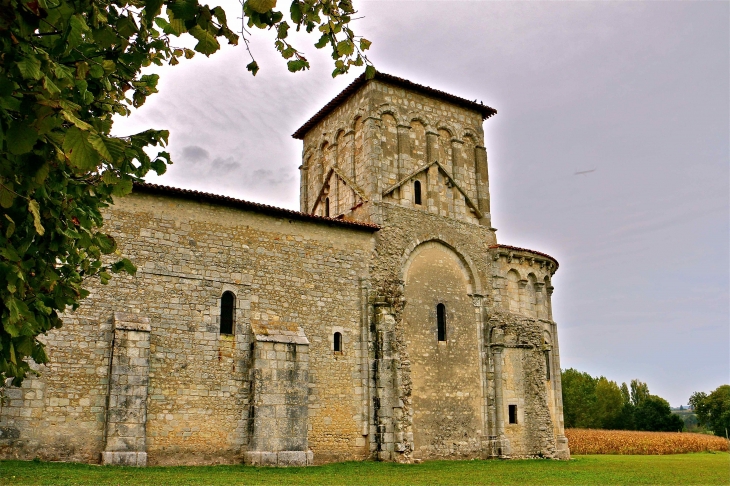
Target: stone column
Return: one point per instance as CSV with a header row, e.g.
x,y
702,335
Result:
x,y
549,291
385,401
351,162
459,205
280,400
432,146
482,183
502,443
561,442
303,189
126,416
540,300
404,155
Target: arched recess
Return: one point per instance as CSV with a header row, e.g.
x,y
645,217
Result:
x,y
530,296
513,291
389,144
475,284
446,392
418,146
444,152
390,110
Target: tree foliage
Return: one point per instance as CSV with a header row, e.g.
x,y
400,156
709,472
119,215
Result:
x,y
654,414
599,403
713,410
67,67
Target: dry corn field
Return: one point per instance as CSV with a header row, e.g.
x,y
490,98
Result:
x,y
591,441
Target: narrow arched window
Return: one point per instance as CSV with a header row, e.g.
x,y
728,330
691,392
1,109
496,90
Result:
x,y
327,207
547,364
338,342
512,414
417,192
441,321
228,311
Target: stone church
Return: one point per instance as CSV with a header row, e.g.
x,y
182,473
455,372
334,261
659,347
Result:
x,y
380,321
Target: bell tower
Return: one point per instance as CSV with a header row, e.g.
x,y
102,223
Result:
x,y
386,141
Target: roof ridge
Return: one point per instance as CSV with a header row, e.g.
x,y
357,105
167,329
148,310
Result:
x,y
352,88
241,203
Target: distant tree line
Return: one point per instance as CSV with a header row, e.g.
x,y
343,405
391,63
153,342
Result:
x,y
600,403
713,410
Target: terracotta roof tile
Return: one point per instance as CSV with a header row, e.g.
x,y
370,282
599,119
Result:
x,y
248,205
484,110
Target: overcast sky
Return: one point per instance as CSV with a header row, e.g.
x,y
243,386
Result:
x,y
637,91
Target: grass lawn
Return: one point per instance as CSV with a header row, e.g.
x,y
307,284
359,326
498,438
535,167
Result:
x,y
699,468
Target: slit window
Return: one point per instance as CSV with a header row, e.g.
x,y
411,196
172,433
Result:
x,y
327,207
417,192
513,414
547,364
228,311
338,342
441,321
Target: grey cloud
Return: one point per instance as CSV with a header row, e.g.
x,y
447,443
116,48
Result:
x,y
636,90
194,153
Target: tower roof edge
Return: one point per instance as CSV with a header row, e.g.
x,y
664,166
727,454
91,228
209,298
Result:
x,y
360,81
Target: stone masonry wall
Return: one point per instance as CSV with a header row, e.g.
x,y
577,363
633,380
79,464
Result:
x,y
283,272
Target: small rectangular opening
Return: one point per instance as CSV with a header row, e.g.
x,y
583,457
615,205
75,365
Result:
x,y
513,414
547,364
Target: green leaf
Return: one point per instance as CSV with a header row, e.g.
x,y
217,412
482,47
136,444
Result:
x,y
365,44
369,72
116,147
79,150
253,67
184,9
295,11
51,87
96,71
9,253
152,9
297,65
345,48
35,210
77,27
98,143
323,41
124,265
106,243
207,43
7,195
283,30
71,118
29,67
261,6
220,15
11,227
122,188
21,138
126,27
82,69
109,177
